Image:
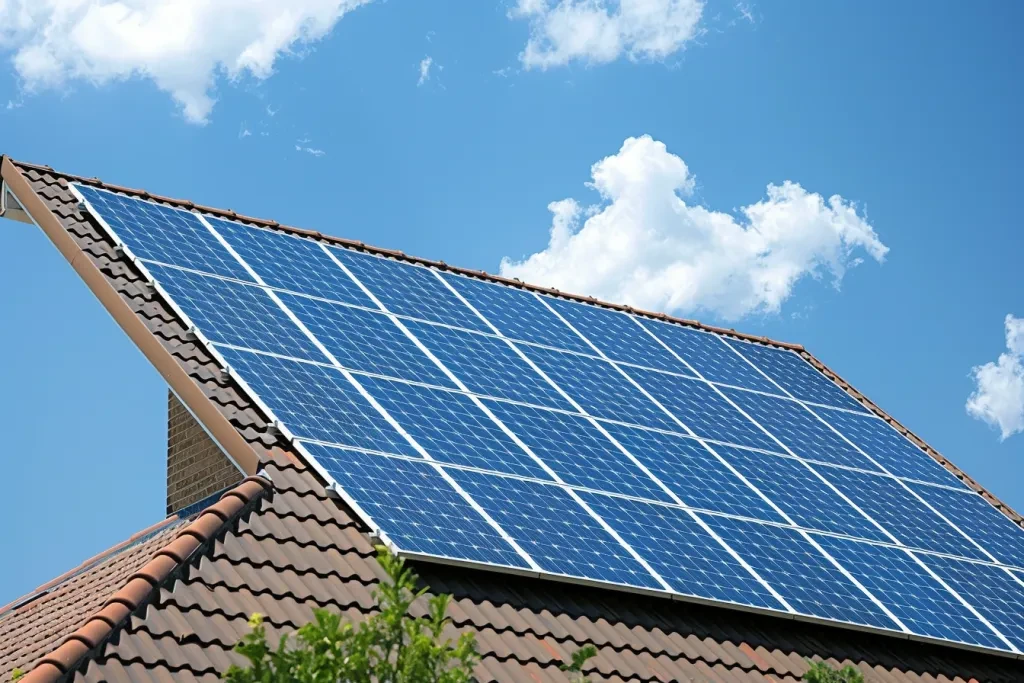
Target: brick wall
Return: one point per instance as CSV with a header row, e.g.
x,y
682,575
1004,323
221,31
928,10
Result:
x,y
196,467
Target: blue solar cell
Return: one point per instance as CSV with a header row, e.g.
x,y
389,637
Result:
x,y
617,336
487,365
990,590
796,375
293,263
517,313
693,473
554,530
709,356
451,428
800,494
702,409
316,402
681,551
979,520
233,313
414,505
579,453
365,341
887,447
799,572
161,233
599,388
918,600
409,290
795,426
896,509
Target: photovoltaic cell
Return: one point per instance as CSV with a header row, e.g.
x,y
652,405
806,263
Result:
x,y
799,572
579,453
517,313
793,425
554,530
702,409
709,356
292,263
692,472
617,336
800,494
599,388
156,232
409,290
487,365
316,402
888,447
365,341
918,600
978,519
416,507
681,551
451,428
233,313
903,515
796,375
990,590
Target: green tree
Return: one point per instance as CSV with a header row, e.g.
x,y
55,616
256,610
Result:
x,y
820,672
389,646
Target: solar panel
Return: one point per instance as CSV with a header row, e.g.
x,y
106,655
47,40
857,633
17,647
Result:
x,y
475,422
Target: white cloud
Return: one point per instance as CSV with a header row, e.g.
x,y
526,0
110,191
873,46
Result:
x,y
998,398
182,45
644,245
600,31
425,69
302,145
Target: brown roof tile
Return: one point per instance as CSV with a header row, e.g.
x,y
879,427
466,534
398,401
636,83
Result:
x,y
292,549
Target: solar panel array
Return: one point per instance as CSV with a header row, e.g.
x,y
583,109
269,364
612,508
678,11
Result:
x,y
474,422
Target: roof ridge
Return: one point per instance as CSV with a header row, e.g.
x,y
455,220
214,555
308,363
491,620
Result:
x,y
402,256
142,584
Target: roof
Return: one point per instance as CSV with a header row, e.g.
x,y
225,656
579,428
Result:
x,y
172,605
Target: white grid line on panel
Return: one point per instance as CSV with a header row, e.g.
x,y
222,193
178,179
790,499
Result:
x,y
767,500
494,418
744,413
806,536
902,483
368,397
812,404
607,420
652,501
495,334
643,468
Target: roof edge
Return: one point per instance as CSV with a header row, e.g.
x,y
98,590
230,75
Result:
x,y
137,592
401,256
1012,514
189,393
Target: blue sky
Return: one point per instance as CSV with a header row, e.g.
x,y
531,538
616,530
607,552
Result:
x,y
911,116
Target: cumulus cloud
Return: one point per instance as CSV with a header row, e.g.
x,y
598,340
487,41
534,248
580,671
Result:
x,y
425,64
998,398
182,45
601,31
644,245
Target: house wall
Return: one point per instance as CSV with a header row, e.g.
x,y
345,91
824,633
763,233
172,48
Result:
x,y
196,467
